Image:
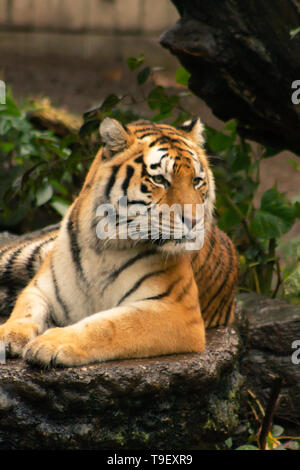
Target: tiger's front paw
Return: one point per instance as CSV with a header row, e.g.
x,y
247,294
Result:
x,y
16,334
56,347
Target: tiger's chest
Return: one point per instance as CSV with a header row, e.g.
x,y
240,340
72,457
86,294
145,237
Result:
x,y
107,279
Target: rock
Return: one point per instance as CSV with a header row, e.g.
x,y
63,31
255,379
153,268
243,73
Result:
x,y
243,63
179,402
268,328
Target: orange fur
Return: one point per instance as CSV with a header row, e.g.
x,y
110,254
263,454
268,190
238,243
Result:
x,y
128,299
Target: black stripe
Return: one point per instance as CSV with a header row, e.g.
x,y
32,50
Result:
x,y
32,258
176,141
144,189
138,283
129,175
166,293
228,313
187,127
5,249
13,285
170,131
184,290
228,297
139,159
147,134
161,138
153,166
146,129
218,312
221,287
113,276
111,180
144,203
6,275
211,247
183,150
214,278
74,246
57,292
144,171
194,257
130,262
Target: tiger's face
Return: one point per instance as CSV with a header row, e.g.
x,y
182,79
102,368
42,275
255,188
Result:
x,y
157,179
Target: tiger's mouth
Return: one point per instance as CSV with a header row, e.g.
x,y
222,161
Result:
x,y
161,228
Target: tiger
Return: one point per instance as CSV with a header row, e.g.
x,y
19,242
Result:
x,y
82,298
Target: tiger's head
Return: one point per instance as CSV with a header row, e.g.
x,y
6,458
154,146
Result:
x,y
145,169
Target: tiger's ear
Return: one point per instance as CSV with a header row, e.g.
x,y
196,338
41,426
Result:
x,y
195,130
114,136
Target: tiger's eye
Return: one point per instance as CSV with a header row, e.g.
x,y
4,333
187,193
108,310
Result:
x,y
197,181
160,179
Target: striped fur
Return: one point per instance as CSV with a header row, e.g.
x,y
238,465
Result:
x,y
87,299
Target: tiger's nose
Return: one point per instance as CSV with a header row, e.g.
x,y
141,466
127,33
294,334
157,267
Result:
x,y
190,222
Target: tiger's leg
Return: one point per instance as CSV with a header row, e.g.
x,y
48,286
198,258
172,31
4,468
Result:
x,y
142,329
28,319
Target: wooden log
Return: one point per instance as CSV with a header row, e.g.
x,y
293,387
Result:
x,y
244,63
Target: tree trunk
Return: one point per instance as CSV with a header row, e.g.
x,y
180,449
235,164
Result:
x,y
243,63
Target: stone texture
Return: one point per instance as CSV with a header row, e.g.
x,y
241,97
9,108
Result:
x,y
182,402
268,328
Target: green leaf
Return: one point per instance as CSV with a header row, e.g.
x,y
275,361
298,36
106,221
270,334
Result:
x,y
275,216
277,430
156,97
228,443
247,447
134,63
59,187
89,127
10,108
270,152
295,164
44,194
294,32
60,206
161,116
5,126
143,75
182,76
231,126
297,209
181,118
7,147
265,225
291,284
241,159
228,219
276,204
110,101
219,142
